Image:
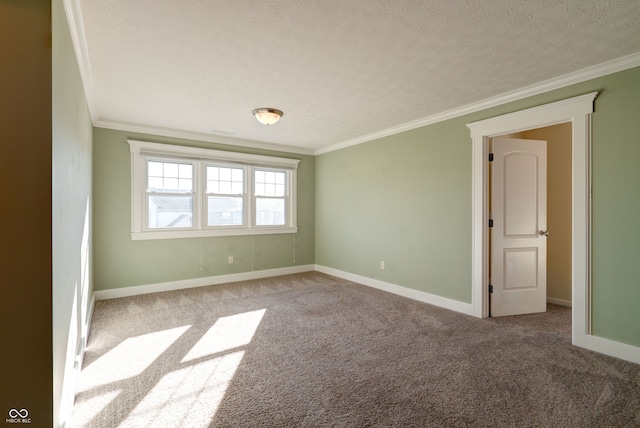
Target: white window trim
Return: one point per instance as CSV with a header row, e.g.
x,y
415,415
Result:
x,y
141,150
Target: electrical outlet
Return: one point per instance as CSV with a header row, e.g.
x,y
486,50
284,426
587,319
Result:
x,y
230,260
382,265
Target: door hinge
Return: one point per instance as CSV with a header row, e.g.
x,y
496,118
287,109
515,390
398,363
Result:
x,y
490,288
490,157
490,222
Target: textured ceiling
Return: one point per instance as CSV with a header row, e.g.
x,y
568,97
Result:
x,y
339,69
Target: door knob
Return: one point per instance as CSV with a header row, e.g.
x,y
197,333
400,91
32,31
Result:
x,y
543,233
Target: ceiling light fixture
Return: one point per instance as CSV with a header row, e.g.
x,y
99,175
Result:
x,y
267,116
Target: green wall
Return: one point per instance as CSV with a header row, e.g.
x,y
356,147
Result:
x,y
121,262
406,199
616,209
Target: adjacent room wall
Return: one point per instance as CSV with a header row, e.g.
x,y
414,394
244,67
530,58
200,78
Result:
x,y
121,262
25,217
72,278
406,199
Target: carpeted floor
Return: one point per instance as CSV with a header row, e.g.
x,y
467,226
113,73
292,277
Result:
x,y
314,350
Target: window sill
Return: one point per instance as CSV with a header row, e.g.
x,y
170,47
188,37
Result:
x,y
177,234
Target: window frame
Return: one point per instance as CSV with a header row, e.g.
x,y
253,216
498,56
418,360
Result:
x,y
254,196
148,194
142,151
246,216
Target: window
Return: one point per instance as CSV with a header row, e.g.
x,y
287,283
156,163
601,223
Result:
x,y
270,197
182,192
169,194
225,195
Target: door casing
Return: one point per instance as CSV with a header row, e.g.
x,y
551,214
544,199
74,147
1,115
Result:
x,y
578,112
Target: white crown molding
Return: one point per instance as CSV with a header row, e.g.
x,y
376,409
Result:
x,y
76,28
609,67
211,138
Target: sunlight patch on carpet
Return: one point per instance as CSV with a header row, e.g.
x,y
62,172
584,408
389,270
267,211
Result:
x,y
226,334
85,410
129,358
188,397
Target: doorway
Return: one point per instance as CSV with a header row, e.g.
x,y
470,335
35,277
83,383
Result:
x,y
552,280
576,111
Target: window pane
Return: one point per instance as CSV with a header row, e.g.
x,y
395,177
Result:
x,y
213,176
212,173
213,187
270,183
225,180
269,212
170,184
170,211
225,187
224,211
155,169
155,184
170,169
185,170
270,177
225,174
184,185
169,177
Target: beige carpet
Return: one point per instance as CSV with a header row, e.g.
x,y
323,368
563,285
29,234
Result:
x,y
313,350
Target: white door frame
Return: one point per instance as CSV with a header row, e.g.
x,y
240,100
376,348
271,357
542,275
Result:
x,y
578,112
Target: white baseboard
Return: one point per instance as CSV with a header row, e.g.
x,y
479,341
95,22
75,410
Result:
x,y
198,282
593,343
443,302
612,348
560,302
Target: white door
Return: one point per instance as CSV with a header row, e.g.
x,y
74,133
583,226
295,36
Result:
x,y
518,274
